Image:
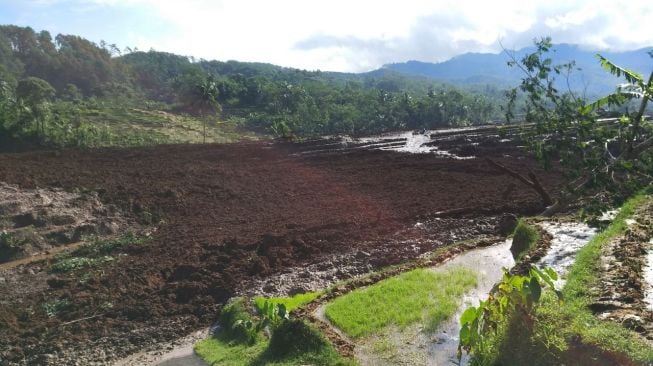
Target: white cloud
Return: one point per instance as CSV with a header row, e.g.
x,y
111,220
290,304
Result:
x,y
346,35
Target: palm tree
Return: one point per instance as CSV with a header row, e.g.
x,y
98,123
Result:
x,y
206,99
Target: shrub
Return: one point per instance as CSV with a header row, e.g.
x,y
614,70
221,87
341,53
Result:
x,y
524,238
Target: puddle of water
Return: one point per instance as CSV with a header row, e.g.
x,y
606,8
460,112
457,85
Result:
x,y
648,278
567,240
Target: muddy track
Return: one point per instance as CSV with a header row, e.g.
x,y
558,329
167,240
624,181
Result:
x,y
234,214
621,290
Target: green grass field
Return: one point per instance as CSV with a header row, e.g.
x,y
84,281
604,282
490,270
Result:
x,y
418,295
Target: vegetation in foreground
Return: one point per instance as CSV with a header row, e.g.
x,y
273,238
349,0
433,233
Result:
x,y
418,295
292,342
569,332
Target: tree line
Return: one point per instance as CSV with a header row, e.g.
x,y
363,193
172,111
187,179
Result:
x,y
46,81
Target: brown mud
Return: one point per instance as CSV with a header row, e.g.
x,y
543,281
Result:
x,y
621,290
234,216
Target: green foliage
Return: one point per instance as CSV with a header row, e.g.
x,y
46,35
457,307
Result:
x,y
272,315
97,247
237,324
514,298
612,157
268,99
561,333
10,246
55,307
401,300
291,303
294,343
94,253
76,263
239,341
524,238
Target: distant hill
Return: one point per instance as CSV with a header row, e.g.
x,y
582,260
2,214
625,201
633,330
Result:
x,y
487,68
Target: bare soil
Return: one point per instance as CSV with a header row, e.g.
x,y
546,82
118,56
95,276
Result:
x,y
622,286
236,216
43,220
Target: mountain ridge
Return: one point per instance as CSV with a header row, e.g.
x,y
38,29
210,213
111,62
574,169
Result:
x,y
478,68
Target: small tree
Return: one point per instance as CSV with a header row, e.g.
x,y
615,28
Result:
x,y
35,94
566,129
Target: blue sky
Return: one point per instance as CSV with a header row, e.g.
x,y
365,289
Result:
x,y
338,35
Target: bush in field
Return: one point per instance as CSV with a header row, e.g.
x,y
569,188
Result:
x,y
524,238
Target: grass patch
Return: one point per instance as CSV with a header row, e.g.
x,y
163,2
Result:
x,y
292,342
121,126
524,238
56,306
101,247
570,333
75,263
413,296
95,253
11,246
291,303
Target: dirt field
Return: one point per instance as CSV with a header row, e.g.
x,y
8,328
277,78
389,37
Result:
x,y
234,215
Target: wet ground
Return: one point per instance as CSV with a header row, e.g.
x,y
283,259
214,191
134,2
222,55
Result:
x,y
236,217
624,292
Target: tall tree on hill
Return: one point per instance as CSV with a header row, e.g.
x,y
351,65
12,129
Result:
x,y
206,99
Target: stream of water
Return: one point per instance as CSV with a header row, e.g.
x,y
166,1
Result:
x,y
488,262
568,239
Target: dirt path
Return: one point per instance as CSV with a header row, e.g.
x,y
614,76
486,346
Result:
x,y
39,257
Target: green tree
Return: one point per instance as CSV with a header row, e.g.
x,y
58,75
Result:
x,y
597,155
36,94
206,99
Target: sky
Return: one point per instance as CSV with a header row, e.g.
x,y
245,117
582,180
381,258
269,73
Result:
x,y
338,35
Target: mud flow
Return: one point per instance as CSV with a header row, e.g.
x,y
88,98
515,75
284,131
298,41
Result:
x,y
248,218
43,220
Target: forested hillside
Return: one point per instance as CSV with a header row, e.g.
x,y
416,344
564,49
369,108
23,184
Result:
x,y
63,90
